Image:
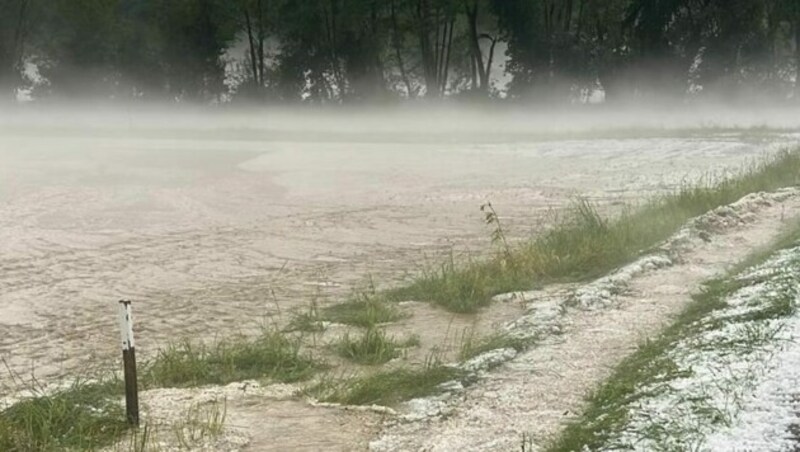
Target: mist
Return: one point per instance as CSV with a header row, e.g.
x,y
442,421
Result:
x,y
412,123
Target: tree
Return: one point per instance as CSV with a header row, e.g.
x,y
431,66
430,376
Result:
x,y
549,44
663,40
367,50
481,66
362,39
139,53
736,38
77,46
308,66
434,22
13,34
792,10
194,35
253,19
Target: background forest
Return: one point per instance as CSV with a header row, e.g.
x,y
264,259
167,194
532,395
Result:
x,y
351,51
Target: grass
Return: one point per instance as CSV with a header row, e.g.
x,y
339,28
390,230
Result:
x,y
199,425
364,309
584,245
472,346
309,321
647,364
90,416
607,406
201,421
87,415
372,347
272,355
392,387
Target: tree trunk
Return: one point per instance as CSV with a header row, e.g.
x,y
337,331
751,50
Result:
x,y
334,63
474,41
261,38
11,69
568,17
580,21
438,45
379,75
19,34
473,72
427,53
797,57
446,72
397,44
251,41
489,62
483,69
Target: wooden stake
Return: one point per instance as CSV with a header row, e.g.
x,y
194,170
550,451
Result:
x,y
129,362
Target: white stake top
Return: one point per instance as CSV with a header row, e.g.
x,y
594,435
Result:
x,y
126,324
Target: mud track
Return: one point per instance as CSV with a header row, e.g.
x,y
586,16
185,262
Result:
x,y
539,391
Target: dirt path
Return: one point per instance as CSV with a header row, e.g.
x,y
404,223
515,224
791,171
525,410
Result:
x,y
247,417
540,390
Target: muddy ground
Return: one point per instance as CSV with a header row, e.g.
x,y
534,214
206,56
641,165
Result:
x,y
210,237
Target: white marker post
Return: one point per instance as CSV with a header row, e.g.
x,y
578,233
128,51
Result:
x,y
129,361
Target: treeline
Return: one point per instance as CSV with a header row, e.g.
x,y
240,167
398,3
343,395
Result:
x,y
283,51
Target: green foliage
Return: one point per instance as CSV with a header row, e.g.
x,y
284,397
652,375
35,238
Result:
x,y
498,234
390,387
120,49
14,23
201,421
372,347
272,355
359,50
194,35
472,345
458,288
364,309
89,416
82,417
309,321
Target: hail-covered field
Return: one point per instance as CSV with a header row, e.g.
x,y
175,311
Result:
x,y
724,378
214,230
731,383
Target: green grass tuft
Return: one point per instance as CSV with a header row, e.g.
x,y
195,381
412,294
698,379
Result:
x,y
372,347
309,321
272,355
472,346
394,386
364,309
85,416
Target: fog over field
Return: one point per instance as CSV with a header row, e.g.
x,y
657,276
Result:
x,y
409,122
